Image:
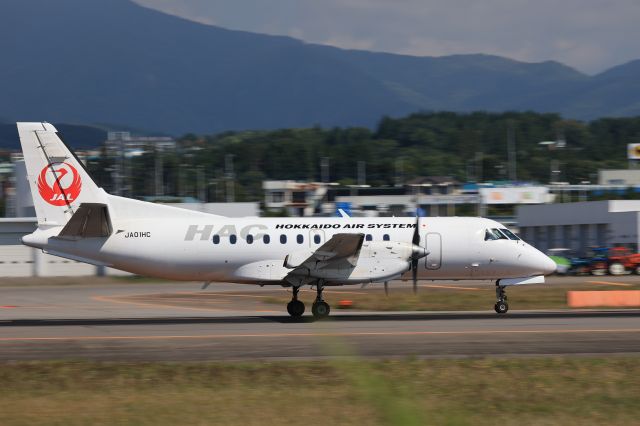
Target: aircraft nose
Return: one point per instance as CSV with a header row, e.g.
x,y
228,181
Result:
x,y
548,265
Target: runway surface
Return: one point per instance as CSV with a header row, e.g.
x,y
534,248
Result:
x,y
143,321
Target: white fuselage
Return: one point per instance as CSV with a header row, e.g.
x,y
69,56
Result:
x,y
253,250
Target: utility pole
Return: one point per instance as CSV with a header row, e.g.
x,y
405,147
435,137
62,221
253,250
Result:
x,y
399,172
324,169
201,184
159,173
230,177
511,152
479,159
362,173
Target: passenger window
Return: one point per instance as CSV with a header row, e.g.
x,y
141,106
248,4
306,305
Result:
x,y
266,239
216,239
283,239
249,239
369,237
510,234
385,237
300,239
232,239
316,239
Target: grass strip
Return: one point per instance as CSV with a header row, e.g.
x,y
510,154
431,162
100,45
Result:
x,y
516,391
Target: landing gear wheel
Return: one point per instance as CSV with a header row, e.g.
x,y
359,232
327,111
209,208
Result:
x,y
320,309
501,307
295,308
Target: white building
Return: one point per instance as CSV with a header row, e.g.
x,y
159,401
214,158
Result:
x,y
578,226
624,177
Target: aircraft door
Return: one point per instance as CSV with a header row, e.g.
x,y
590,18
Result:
x,y
433,244
316,238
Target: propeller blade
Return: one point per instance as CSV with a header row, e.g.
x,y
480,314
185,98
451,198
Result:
x,y
414,260
386,288
414,272
416,233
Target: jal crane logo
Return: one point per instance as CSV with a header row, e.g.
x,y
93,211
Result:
x,y
59,184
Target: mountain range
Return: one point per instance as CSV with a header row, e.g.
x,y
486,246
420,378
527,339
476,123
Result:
x,y
115,63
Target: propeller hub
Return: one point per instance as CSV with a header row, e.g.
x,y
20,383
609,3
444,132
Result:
x,y
418,252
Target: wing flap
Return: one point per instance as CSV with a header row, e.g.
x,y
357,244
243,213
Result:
x,y
340,252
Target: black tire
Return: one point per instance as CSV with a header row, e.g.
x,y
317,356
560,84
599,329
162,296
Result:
x,y
501,307
295,308
320,310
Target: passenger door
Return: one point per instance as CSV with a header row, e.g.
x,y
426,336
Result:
x,y
433,244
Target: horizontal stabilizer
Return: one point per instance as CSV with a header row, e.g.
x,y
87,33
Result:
x,y
91,220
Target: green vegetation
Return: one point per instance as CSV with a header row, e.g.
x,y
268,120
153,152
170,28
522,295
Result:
x,y
451,297
550,391
465,146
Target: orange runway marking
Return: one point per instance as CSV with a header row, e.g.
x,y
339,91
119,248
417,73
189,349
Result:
x,y
452,287
334,291
610,283
214,293
272,335
150,305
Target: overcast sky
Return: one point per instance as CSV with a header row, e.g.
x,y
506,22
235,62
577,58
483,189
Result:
x,y
590,35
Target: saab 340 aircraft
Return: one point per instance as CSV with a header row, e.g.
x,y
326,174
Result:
x,y
79,221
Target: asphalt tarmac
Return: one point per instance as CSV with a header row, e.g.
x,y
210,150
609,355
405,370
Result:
x,y
180,322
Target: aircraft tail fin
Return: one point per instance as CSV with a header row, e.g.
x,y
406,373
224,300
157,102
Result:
x,y
58,180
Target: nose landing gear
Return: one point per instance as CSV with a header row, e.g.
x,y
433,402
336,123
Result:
x,y
501,305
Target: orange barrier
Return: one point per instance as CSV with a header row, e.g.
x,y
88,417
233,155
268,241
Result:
x,y
613,298
345,304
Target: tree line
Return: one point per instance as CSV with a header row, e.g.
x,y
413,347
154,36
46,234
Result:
x,y
467,147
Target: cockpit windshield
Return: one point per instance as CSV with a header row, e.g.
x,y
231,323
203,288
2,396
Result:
x,y
494,234
510,234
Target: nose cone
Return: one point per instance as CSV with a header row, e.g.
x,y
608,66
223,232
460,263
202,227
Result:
x,y
546,265
538,263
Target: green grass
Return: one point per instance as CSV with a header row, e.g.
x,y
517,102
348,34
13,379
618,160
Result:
x,y
547,296
520,391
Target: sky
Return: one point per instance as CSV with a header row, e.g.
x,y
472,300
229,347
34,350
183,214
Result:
x,y
589,35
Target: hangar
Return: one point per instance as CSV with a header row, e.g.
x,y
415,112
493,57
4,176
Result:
x,y
579,226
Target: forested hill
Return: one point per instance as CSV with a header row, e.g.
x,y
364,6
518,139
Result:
x,y
464,146
112,61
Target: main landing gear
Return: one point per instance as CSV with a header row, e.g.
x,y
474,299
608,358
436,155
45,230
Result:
x,y
320,308
501,305
295,307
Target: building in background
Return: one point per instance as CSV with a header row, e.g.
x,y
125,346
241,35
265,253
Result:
x,y
579,226
425,196
619,177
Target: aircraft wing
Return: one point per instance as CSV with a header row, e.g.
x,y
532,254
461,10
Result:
x,y
341,251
